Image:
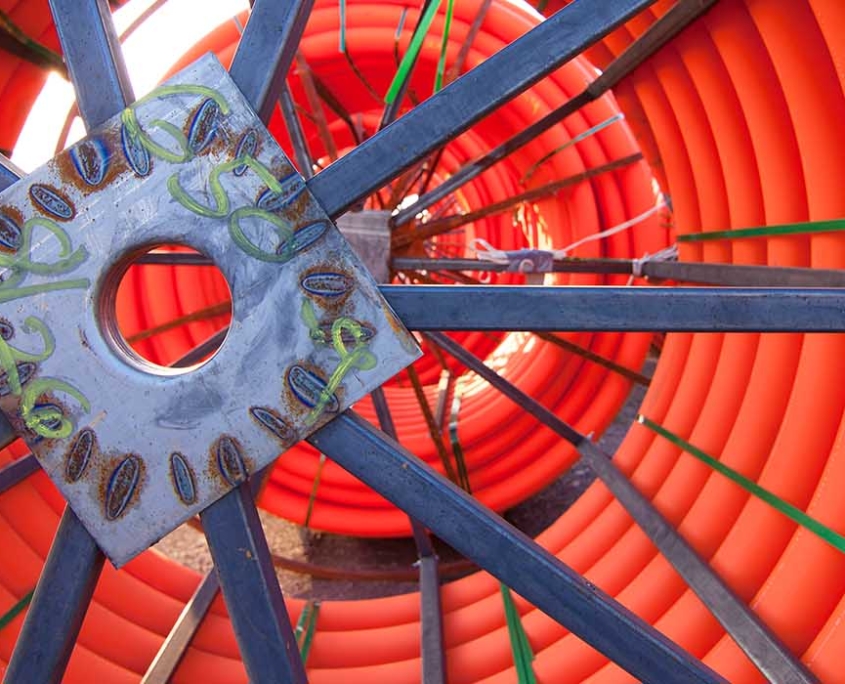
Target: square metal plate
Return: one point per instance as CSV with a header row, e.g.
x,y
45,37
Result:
x,y
138,449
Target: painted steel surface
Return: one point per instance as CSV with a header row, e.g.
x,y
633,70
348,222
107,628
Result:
x,y
136,448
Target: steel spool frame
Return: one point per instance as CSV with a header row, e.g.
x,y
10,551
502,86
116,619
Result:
x,y
251,590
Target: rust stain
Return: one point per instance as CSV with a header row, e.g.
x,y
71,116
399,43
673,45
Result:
x,y
227,465
81,453
116,165
130,475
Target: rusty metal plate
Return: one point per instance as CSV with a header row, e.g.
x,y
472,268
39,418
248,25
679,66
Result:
x,y
136,449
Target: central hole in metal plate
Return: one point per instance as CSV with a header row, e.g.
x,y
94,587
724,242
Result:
x,y
166,309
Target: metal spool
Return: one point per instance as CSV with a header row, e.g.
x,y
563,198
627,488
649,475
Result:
x,y
231,524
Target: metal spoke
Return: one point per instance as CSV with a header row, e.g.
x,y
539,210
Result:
x,y
17,471
267,49
759,643
7,431
9,173
402,237
431,608
93,56
175,646
251,589
297,135
635,309
507,553
663,30
460,104
731,275
58,606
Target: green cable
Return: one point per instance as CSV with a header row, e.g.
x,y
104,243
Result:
x,y
411,55
520,646
342,9
441,63
306,626
312,497
16,610
833,538
766,231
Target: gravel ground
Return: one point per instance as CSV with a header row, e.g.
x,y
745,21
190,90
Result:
x,y
188,546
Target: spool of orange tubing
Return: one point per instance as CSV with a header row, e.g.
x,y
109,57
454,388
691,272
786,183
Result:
x,y
740,117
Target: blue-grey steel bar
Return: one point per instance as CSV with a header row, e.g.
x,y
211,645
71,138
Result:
x,y
58,606
176,644
92,53
17,471
658,34
7,431
297,135
511,556
75,561
431,608
675,309
759,643
460,104
730,275
251,590
266,50
431,622
9,173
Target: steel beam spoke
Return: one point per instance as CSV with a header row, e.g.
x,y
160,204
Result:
x,y
58,606
92,52
176,645
507,553
7,432
660,33
431,608
405,236
17,471
251,589
267,49
642,309
451,111
297,135
9,173
759,643
729,275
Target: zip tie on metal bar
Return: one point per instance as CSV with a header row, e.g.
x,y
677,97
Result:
x,y
16,609
667,254
794,513
541,260
306,626
523,655
569,143
807,228
413,51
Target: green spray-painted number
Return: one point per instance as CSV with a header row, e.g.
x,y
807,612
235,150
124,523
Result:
x,y
359,357
47,422
21,264
129,118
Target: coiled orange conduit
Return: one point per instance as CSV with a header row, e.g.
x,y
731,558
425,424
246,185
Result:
x,y
743,110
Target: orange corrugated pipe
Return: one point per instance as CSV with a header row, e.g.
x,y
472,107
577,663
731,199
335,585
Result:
x,y
742,117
